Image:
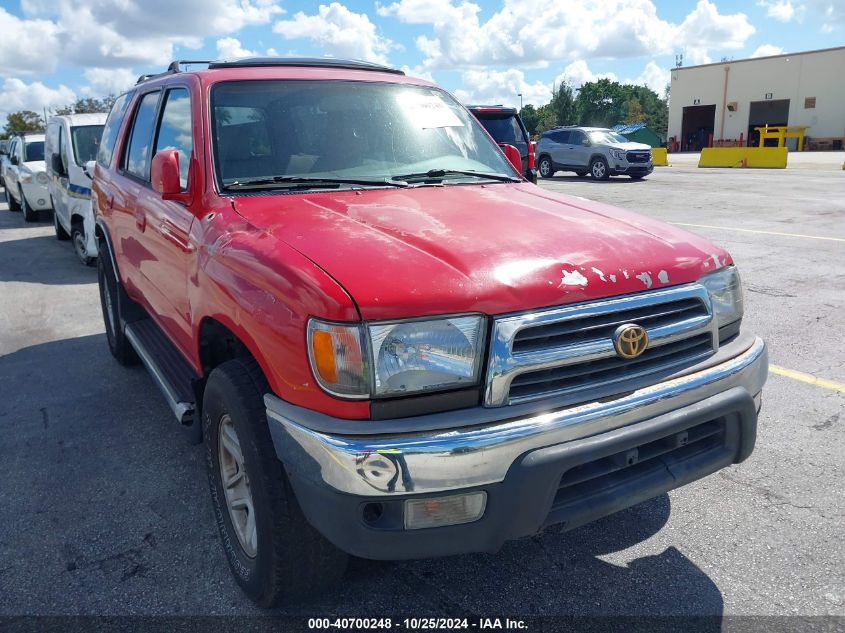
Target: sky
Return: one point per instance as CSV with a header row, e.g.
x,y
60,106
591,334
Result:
x,y
55,51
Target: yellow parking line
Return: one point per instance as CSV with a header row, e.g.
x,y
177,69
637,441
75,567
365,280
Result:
x,y
731,228
808,378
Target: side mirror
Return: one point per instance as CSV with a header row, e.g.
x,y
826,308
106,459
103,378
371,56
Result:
x,y
14,160
513,155
56,165
89,168
164,173
585,142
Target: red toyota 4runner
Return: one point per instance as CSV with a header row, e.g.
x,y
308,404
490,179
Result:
x,y
392,345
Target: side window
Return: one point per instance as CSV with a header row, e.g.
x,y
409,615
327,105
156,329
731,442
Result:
x,y
137,157
62,145
115,119
175,130
562,136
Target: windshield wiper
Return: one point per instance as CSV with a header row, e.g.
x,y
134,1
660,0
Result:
x,y
307,182
440,174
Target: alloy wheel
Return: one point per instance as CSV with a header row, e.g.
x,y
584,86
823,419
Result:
x,y
236,486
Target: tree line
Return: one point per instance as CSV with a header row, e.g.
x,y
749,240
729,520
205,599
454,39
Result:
x,y
601,103
27,121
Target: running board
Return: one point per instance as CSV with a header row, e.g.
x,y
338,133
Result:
x,y
169,370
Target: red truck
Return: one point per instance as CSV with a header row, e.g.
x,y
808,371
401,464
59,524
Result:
x,y
390,343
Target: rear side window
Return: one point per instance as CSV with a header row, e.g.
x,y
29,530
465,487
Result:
x,y
503,129
137,158
561,136
118,111
175,131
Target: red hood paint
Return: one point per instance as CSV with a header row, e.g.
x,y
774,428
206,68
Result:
x,y
493,249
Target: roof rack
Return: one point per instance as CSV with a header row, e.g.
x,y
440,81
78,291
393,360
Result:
x,y
174,67
312,62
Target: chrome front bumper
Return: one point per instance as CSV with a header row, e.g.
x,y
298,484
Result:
x,y
456,458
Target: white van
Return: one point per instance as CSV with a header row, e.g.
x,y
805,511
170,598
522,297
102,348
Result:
x,y
72,141
24,177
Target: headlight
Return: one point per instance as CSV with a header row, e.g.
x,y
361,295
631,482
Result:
x,y
414,356
42,178
618,154
725,288
401,357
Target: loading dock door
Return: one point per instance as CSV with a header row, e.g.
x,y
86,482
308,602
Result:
x,y
762,113
697,125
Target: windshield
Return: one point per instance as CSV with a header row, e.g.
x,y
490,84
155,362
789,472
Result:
x,y
324,129
33,151
606,137
86,142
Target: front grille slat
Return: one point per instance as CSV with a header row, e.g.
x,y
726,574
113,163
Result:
x,y
604,325
699,344
567,353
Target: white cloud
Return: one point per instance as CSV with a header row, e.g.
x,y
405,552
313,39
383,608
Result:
x,y
231,48
832,13
126,33
501,87
707,28
35,96
782,10
338,31
766,50
108,81
654,76
534,32
578,73
16,58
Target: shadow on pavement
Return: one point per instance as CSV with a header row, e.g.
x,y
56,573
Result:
x,y
43,260
111,504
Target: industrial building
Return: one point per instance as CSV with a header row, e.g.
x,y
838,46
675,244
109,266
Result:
x,y
721,104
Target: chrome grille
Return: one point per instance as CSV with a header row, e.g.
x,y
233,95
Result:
x,y
567,353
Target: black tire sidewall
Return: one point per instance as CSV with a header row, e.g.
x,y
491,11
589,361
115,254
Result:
x,y
221,397
28,213
104,277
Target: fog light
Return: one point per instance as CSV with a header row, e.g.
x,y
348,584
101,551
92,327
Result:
x,y
440,511
41,202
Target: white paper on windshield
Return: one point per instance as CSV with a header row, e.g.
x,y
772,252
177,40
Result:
x,y
428,111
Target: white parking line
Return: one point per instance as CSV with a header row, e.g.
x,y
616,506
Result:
x,y
732,228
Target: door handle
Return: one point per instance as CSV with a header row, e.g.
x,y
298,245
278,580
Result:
x,y
167,232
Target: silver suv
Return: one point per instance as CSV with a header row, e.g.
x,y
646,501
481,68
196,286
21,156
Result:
x,y
597,151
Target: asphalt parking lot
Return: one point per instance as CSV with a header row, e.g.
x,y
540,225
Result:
x,y
106,508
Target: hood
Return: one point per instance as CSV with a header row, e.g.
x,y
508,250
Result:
x,y
631,146
478,248
35,166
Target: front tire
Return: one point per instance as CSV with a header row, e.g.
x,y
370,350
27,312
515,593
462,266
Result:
x,y
599,169
14,205
119,345
28,214
273,551
546,167
77,236
61,234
